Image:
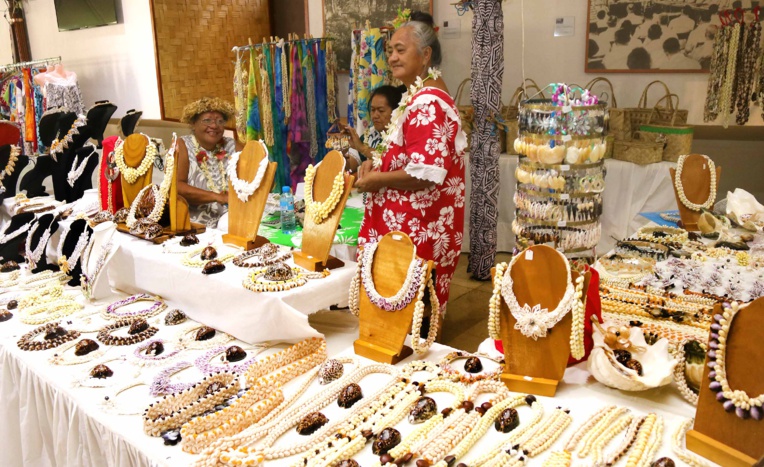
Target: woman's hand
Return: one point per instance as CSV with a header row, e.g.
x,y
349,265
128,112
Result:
x,y
371,181
355,141
222,198
365,168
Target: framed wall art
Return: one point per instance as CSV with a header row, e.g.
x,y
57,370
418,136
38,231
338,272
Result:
x,y
342,16
651,36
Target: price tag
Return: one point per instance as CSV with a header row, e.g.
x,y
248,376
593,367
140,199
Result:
x,y
564,168
567,138
561,224
529,255
527,378
567,109
564,196
397,237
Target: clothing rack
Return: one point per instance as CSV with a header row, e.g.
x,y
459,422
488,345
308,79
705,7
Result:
x,y
309,40
19,65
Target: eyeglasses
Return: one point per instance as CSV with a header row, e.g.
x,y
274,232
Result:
x,y
211,121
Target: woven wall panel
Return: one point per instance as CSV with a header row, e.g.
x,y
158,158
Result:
x,y
193,47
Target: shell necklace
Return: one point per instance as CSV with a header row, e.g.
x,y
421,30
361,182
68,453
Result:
x,y
161,193
33,256
78,167
680,186
67,264
405,294
320,211
534,322
12,158
246,189
203,160
132,174
6,237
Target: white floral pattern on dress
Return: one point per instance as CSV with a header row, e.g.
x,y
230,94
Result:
x,y
432,217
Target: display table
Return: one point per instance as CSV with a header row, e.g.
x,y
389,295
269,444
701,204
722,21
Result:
x,y
629,190
220,300
47,421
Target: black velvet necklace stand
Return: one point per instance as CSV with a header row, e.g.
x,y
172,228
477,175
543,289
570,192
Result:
x,y
70,239
98,117
129,122
53,125
11,181
44,222
12,249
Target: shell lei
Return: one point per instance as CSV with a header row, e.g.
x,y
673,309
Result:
x,y
246,189
161,194
132,174
320,211
680,187
744,405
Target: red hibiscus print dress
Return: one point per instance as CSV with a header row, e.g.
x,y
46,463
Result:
x,y
430,146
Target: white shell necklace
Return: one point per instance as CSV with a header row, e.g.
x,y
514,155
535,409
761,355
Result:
x,y
404,295
6,237
69,263
680,186
34,256
76,171
534,322
246,189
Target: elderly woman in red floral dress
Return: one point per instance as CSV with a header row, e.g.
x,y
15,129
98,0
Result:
x,y
416,179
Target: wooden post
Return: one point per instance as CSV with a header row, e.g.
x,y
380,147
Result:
x,y
317,239
537,366
723,437
382,333
244,217
696,182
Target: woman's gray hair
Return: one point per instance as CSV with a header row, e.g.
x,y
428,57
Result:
x,y
425,36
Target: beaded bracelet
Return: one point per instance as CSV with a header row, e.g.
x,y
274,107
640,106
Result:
x,y
105,334
54,335
110,312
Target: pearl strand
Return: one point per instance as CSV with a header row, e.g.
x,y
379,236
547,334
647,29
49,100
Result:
x,y
602,441
626,443
678,184
577,349
47,312
599,429
557,423
587,427
421,347
642,447
494,304
693,460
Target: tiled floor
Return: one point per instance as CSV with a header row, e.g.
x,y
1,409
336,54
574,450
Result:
x,y
466,322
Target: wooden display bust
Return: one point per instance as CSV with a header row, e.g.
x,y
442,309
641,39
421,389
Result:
x,y
135,150
536,367
382,333
723,437
317,239
696,182
244,217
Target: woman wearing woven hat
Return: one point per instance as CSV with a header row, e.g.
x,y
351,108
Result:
x,y
202,159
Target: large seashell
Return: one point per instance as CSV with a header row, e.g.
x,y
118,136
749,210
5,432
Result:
x,y
572,155
213,266
120,217
473,365
507,420
350,395
386,440
101,372
558,154
154,348
424,409
311,422
657,364
153,230
145,204
9,266
208,253
85,346
205,333
189,240
55,333
174,317
235,353
139,325
330,370
5,315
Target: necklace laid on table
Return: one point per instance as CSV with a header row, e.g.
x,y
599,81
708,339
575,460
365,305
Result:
x,y
132,174
399,115
205,158
320,211
679,185
246,189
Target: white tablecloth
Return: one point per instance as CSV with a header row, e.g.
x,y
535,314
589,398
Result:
x,y
629,190
48,422
220,300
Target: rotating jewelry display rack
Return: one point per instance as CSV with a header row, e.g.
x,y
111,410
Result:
x,y
561,177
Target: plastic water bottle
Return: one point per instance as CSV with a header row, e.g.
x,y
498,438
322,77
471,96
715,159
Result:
x,y
287,211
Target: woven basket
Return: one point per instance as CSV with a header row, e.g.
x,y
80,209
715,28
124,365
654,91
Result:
x,y
661,114
638,152
466,112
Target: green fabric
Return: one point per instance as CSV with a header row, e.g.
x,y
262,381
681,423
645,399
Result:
x,y
668,130
347,233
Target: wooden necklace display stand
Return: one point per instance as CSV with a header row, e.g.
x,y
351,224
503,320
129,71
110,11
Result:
x,y
696,172
537,366
244,216
382,333
134,152
722,437
317,239
180,219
